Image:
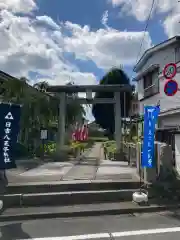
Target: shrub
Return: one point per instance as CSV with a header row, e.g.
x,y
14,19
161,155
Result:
x,y
49,148
21,151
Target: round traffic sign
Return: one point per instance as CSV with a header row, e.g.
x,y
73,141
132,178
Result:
x,y
170,88
170,70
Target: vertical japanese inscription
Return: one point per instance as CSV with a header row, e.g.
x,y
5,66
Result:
x,y
7,137
150,118
150,140
9,130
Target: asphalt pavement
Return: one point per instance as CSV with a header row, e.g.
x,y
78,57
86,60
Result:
x,y
156,226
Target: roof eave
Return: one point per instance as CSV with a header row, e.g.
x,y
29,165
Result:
x,y
154,49
150,69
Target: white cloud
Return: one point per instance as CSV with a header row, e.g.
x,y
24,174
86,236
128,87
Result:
x,y
172,25
89,115
106,47
71,76
140,8
47,21
38,44
27,46
104,19
20,6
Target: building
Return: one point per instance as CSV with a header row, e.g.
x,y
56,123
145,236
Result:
x,y
150,81
134,117
134,109
150,86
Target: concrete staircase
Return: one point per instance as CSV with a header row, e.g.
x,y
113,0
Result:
x,y
74,199
69,193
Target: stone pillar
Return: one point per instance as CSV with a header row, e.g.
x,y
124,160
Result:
x,y
62,117
117,118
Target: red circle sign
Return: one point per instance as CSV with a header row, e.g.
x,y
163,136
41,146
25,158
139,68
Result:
x,y
170,87
170,70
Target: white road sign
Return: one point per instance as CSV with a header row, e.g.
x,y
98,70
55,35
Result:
x,y
44,134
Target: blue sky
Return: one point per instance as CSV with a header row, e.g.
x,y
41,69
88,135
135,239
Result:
x,y
90,13
120,17
80,40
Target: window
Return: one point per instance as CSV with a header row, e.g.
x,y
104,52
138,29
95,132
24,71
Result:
x,y
151,83
177,54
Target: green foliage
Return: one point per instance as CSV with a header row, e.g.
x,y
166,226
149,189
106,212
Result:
x,y
49,148
104,113
78,147
21,151
39,110
110,149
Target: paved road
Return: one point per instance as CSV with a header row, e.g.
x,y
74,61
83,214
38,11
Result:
x,y
163,226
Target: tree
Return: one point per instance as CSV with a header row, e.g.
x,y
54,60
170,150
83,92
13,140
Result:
x,y
104,113
39,109
36,108
74,110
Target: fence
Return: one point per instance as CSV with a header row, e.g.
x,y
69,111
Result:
x,y
163,159
130,149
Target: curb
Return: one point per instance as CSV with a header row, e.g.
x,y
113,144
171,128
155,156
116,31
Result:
x,y
48,215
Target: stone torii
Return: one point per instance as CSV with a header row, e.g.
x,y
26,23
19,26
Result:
x,y
63,90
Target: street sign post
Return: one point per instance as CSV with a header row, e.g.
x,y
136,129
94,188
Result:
x,y
9,130
170,70
44,136
170,87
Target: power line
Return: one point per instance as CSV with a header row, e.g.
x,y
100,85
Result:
x,y
146,26
145,29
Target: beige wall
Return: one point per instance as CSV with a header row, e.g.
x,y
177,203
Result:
x,y
166,102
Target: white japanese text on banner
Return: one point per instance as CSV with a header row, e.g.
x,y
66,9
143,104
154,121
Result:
x,y
9,129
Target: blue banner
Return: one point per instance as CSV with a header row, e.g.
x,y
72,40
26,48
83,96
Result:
x,y
150,119
9,129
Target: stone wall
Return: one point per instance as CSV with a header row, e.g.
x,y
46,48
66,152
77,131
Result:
x,y
163,161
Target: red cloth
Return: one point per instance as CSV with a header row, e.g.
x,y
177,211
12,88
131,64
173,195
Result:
x,y
84,133
80,133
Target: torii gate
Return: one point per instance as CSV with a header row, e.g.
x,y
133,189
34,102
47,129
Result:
x,y
89,89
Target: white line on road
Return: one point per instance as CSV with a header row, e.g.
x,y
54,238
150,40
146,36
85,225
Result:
x,y
78,237
115,234
146,232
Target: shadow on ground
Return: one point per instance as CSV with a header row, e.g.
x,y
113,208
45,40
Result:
x,y
28,164
13,231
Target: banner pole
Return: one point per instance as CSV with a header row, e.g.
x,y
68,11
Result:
x,y
140,170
